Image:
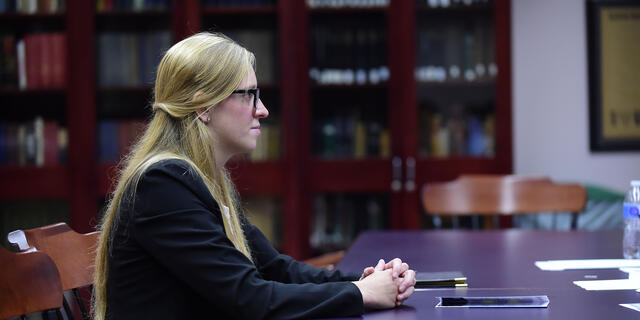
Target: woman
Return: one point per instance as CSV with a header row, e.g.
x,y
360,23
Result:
x,y
174,244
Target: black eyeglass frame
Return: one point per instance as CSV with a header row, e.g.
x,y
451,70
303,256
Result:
x,y
255,92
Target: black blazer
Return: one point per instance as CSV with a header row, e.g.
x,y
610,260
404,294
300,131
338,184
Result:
x,y
171,259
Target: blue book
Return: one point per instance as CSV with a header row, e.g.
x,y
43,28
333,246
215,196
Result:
x,y
476,140
108,138
3,144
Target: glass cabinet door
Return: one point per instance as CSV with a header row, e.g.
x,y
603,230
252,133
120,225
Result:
x,y
455,76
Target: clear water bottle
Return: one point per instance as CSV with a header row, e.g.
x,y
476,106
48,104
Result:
x,y
631,215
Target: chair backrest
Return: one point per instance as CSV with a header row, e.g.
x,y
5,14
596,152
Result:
x,y
327,260
502,194
29,282
72,252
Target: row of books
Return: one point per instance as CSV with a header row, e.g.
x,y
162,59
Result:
x,y
239,3
115,138
456,51
347,3
37,61
351,136
131,5
269,142
34,143
347,53
262,42
130,59
31,6
470,135
454,3
339,218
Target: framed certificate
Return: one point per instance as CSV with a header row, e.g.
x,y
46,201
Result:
x,y
613,39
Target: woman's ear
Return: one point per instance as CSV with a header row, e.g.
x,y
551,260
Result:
x,y
203,113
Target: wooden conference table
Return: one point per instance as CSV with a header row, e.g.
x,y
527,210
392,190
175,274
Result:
x,y
500,263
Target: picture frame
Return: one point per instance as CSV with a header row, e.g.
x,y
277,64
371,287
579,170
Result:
x,y
613,47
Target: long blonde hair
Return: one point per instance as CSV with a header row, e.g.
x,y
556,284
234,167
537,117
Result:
x,y
195,73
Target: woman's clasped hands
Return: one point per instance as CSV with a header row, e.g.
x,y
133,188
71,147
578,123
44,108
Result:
x,y
386,285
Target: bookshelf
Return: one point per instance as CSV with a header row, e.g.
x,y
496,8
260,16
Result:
x,y
374,182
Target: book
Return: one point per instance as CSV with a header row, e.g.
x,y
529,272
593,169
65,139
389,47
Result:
x,y
3,144
51,143
38,133
443,279
108,141
63,144
22,64
59,60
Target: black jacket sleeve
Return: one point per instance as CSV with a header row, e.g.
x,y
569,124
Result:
x,y
178,222
279,267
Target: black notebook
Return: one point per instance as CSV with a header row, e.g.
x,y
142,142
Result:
x,y
445,279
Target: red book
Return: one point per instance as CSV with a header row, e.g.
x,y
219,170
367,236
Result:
x,y
29,59
33,51
46,61
123,137
58,60
108,5
62,60
51,143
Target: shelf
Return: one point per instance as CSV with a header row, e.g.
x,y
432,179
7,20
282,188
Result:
x,y
347,87
29,18
125,90
127,14
31,182
474,9
444,169
32,92
133,21
352,175
347,10
239,10
263,177
456,83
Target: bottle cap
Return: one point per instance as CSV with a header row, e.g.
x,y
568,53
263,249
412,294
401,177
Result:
x,y
635,183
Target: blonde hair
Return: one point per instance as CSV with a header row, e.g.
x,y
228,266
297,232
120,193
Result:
x,y
195,73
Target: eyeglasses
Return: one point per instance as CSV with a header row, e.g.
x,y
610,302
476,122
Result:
x,y
255,92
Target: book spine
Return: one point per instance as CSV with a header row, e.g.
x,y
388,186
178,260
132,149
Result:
x,y
22,65
3,144
38,133
46,60
63,144
58,60
50,143
33,51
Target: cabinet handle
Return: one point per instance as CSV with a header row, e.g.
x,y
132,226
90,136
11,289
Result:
x,y
396,169
410,184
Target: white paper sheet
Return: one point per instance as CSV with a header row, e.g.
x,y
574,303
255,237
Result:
x,y
558,265
617,284
634,273
632,306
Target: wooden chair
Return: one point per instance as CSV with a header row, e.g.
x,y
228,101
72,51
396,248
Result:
x,y
328,260
29,282
502,195
72,252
